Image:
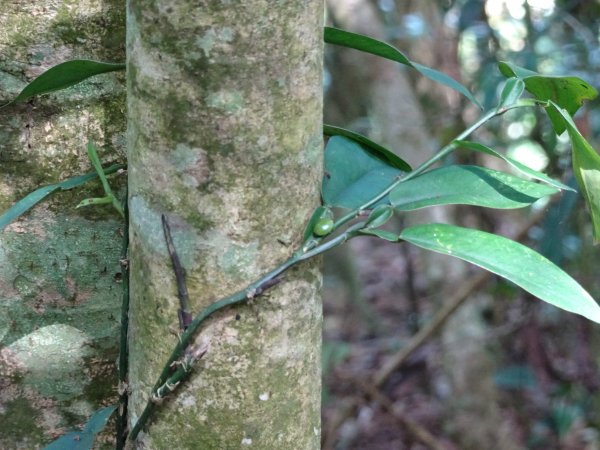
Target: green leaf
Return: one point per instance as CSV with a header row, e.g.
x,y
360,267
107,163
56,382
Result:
x,y
84,440
99,419
95,201
446,80
75,440
38,195
354,175
567,92
511,92
515,377
514,163
512,70
383,234
564,415
467,185
64,75
93,155
511,260
366,44
586,167
95,160
379,216
379,151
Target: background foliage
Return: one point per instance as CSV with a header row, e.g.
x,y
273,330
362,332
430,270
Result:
x,y
500,371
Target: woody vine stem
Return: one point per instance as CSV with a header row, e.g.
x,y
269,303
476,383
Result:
x,y
180,362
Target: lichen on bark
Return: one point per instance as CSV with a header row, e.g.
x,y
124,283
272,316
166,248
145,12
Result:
x,y
59,300
224,136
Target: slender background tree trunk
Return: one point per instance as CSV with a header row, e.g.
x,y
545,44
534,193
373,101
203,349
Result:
x,y
59,295
225,139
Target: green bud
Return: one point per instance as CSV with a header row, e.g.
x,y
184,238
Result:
x,y
323,227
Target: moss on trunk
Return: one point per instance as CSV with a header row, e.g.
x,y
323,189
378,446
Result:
x,y
225,138
59,300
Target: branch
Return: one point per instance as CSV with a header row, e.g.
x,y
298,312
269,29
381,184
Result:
x,y
412,426
183,360
185,317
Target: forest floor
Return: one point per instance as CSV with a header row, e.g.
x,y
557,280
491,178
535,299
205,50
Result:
x,y
541,369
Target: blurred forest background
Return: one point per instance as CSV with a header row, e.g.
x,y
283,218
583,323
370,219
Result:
x,y
422,351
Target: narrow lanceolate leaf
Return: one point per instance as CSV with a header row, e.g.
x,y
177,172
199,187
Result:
x,y
467,185
567,92
95,160
84,440
354,175
369,45
514,163
64,75
38,195
511,92
75,440
511,260
586,167
382,234
95,201
99,419
380,151
379,216
97,165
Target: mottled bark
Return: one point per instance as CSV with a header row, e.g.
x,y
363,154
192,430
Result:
x,y
59,300
225,138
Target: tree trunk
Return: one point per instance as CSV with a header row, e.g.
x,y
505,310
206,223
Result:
x,y
59,301
225,139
